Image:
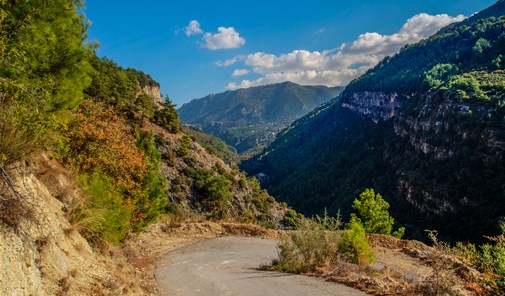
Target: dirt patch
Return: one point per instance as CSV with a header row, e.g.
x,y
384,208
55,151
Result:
x,y
249,230
402,267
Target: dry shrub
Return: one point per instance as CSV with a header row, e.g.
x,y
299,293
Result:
x,y
98,139
83,220
12,211
308,248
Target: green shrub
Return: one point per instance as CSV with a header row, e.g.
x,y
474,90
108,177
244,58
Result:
x,y
372,213
320,243
17,142
213,192
108,207
153,200
437,75
167,117
353,245
145,105
184,147
43,73
489,259
292,219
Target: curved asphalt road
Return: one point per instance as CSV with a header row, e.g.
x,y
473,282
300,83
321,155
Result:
x,y
227,266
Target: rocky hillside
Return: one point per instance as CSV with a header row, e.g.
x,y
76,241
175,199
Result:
x,y
250,118
425,127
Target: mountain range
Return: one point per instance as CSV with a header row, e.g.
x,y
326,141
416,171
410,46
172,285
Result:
x,y
250,118
426,128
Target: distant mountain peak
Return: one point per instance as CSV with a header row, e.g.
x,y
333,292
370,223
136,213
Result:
x,y
269,108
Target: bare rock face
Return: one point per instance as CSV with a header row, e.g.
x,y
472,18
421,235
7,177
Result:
x,y
153,91
41,253
441,127
376,105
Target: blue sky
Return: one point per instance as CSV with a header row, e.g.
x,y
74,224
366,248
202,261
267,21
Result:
x,y
235,44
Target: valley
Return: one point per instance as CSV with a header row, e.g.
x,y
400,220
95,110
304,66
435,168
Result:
x,y
375,166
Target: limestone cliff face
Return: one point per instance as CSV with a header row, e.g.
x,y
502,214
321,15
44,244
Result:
x,y
450,144
430,122
376,105
152,90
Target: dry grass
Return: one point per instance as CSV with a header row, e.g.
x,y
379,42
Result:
x,y
83,220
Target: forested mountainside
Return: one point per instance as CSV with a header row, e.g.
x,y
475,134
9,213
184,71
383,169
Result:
x,y
425,127
250,118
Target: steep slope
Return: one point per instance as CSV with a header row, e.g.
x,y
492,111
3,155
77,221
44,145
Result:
x,y
425,127
246,118
42,252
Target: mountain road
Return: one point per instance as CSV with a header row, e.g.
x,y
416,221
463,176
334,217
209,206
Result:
x,y
228,266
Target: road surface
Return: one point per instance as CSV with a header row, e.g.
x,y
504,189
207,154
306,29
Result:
x,y
227,266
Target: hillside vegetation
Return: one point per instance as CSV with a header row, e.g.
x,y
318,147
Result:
x,y
425,127
249,119
111,127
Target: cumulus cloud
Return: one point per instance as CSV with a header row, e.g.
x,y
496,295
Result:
x,y
193,28
340,65
418,27
225,38
240,72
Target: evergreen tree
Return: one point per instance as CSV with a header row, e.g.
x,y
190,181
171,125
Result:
x,y
43,70
372,213
168,117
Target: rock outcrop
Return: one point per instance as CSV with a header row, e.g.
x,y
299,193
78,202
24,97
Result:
x,y
153,91
41,253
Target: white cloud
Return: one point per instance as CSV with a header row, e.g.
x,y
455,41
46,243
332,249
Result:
x,y
226,38
416,28
424,25
231,61
193,28
240,72
341,65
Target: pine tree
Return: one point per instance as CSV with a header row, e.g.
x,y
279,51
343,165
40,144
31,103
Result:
x,y
372,213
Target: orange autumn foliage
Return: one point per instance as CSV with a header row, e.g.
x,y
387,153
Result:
x,y
100,140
